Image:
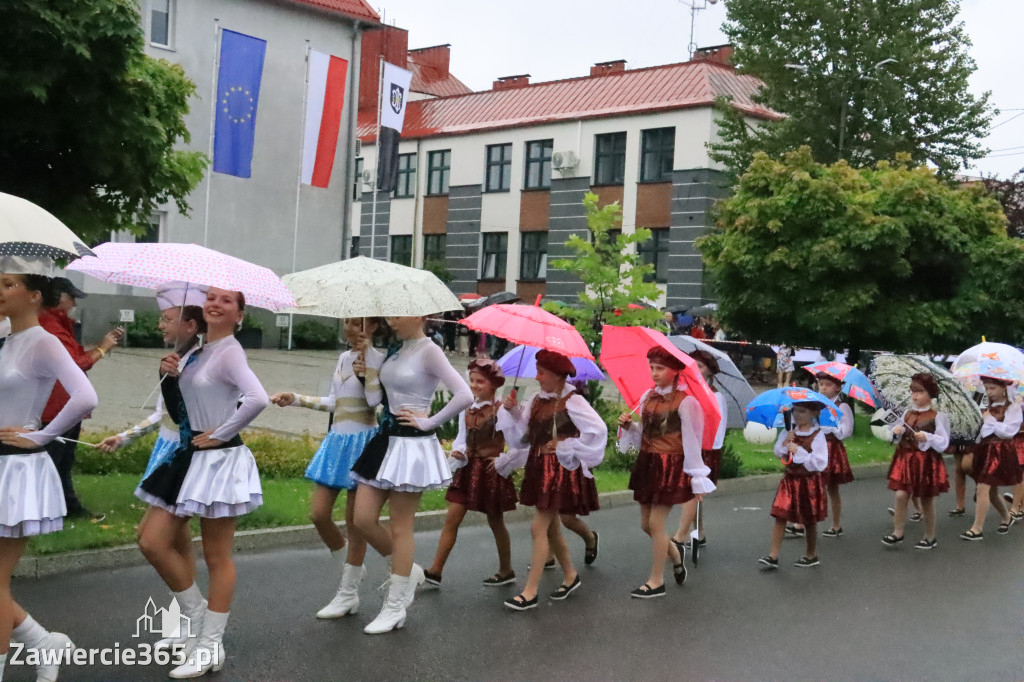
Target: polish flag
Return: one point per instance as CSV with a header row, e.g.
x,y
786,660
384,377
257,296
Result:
x,y
324,101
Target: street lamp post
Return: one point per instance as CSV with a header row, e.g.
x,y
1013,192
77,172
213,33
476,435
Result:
x,y
694,8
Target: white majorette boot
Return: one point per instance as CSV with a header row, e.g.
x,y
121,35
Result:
x,y
346,601
193,606
416,578
392,614
35,637
209,653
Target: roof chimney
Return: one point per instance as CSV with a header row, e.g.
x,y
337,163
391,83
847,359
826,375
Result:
x,y
605,68
719,54
512,82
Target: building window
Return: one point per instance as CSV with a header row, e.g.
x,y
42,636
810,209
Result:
x,y
439,169
656,154
538,164
161,22
401,250
610,159
435,248
499,168
406,186
654,252
154,229
534,256
353,250
495,254
357,183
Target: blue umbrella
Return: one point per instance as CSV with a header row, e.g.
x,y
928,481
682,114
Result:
x,y
521,362
768,408
855,383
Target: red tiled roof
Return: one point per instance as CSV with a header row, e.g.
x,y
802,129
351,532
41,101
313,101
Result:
x,y
357,9
659,88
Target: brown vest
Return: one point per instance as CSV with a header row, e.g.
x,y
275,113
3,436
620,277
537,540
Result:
x,y
549,420
918,421
804,442
482,438
662,428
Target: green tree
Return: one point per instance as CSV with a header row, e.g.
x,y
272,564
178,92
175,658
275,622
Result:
x,y
88,122
889,257
857,80
1010,195
612,274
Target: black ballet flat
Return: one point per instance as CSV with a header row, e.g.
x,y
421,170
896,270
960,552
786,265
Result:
x,y
497,579
564,591
590,555
521,603
971,536
432,578
769,563
915,517
645,591
956,512
892,540
679,572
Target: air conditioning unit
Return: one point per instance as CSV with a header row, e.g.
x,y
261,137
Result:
x,y
367,176
564,160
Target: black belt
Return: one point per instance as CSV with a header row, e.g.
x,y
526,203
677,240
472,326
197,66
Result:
x,y
12,450
166,480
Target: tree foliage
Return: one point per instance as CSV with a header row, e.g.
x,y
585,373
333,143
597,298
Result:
x,y
1010,195
612,274
889,257
840,95
89,122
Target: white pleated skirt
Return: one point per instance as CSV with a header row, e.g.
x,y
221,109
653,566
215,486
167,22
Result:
x,y
31,496
411,465
219,483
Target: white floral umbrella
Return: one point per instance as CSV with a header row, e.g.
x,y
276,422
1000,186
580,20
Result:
x,y
364,287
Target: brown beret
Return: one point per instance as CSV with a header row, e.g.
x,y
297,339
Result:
x,y
489,369
926,381
660,356
822,376
555,362
708,360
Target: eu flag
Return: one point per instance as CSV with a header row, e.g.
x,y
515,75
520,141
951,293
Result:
x,y
238,93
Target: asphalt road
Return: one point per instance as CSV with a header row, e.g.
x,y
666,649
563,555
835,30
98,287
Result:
x,y
867,613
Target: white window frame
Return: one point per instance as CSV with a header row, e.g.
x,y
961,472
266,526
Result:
x,y
171,15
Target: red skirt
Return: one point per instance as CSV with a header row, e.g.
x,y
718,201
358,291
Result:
x,y
659,478
478,487
1018,442
838,470
801,499
996,463
547,485
921,474
712,460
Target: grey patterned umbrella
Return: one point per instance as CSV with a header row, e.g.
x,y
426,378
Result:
x,y
729,380
891,376
28,230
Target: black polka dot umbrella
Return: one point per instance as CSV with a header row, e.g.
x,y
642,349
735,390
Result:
x,y
28,230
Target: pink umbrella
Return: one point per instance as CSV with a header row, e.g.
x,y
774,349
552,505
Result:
x,y
152,265
624,356
530,326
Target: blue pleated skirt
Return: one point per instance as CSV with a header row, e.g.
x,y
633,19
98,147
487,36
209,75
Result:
x,y
331,466
162,451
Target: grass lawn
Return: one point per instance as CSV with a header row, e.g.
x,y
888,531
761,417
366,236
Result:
x,y
285,503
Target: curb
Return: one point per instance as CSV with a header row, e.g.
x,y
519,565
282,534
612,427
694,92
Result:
x,y
266,539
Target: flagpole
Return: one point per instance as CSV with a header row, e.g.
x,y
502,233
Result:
x,y
373,211
213,123
298,183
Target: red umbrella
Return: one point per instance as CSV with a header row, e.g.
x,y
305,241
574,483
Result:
x,y
624,356
530,326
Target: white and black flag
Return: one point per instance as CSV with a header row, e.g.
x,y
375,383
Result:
x,y
393,101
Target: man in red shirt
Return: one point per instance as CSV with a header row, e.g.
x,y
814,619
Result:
x,y
57,322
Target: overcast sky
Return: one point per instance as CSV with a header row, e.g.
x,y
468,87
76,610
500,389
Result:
x,y
551,39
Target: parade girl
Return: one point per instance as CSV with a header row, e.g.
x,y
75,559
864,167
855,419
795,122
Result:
x,y
31,497
669,469
801,497
181,322
838,471
405,458
476,484
688,520
354,384
213,475
917,469
995,458
557,435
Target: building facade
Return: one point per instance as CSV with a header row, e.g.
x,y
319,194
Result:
x,y
268,218
491,184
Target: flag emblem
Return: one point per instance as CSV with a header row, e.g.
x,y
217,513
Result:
x,y
238,104
397,95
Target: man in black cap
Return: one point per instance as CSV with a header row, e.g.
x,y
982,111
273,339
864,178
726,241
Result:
x,y
57,321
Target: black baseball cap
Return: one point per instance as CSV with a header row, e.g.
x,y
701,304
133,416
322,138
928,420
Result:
x,y
64,285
